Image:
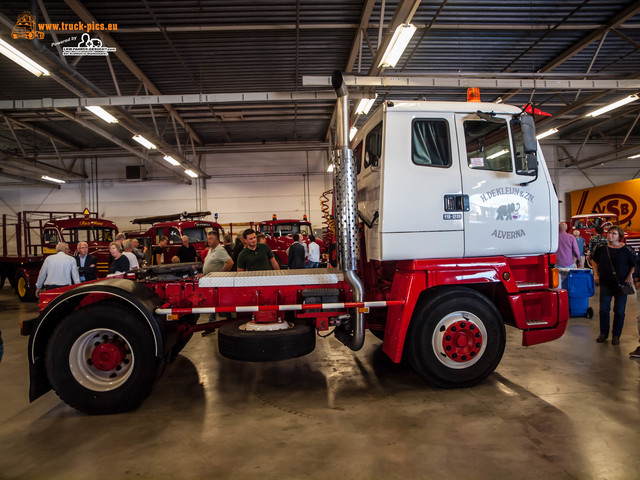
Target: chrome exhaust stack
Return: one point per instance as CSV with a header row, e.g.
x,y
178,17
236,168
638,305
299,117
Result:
x,y
346,212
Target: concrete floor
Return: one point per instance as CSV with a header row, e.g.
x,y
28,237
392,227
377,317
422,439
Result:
x,y
566,409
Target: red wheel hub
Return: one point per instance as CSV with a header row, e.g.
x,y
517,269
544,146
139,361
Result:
x,y
107,356
462,341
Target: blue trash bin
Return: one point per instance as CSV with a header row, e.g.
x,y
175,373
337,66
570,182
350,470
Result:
x,y
580,286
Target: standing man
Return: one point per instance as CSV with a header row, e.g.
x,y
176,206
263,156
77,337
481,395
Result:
x,y
86,263
57,270
217,260
567,248
139,255
186,252
314,253
157,253
296,253
256,256
128,252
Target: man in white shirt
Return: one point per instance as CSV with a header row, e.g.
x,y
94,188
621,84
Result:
x,y
314,253
217,259
128,252
58,270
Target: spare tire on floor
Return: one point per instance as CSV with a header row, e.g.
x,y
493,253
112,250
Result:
x,y
252,346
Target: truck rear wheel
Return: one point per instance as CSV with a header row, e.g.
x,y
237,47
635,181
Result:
x,y
456,338
251,346
100,359
24,291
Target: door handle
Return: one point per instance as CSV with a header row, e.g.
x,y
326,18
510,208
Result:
x,y
456,203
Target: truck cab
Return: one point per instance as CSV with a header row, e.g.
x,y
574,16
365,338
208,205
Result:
x,y
174,227
449,179
279,235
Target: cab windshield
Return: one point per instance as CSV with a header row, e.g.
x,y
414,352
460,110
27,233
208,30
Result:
x,y
291,228
198,234
89,234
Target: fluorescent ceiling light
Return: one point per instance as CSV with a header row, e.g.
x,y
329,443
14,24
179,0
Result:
x,y
547,133
191,173
330,169
399,41
498,154
635,156
21,59
612,106
144,142
352,133
51,179
102,113
365,105
171,160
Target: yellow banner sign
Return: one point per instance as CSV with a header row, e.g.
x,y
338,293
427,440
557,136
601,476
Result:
x,y
619,198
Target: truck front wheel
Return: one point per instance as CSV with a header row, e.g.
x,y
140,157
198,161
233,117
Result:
x,y
456,339
100,359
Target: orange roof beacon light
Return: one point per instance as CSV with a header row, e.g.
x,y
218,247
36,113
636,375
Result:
x,y
473,94
304,217
274,217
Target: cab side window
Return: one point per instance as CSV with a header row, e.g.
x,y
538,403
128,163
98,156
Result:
x,y
174,236
431,142
51,236
488,144
373,147
357,157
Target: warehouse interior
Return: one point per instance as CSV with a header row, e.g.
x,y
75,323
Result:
x,y
238,94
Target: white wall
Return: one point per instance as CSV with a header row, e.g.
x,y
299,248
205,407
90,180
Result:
x,y
244,187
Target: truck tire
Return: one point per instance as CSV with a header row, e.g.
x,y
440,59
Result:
x,y
24,291
456,338
251,346
101,359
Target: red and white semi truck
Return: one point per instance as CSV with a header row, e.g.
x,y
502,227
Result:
x,y
459,222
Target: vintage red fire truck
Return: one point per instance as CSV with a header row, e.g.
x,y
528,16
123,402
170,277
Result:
x,y
174,226
279,235
586,224
437,274
28,237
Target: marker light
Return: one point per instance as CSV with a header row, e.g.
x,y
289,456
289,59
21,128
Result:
x,y
473,94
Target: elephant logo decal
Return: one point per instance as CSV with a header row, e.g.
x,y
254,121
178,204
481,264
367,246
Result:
x,y
508,211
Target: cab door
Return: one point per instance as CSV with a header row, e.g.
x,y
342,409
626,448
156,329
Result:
x,y
508,214
423,207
